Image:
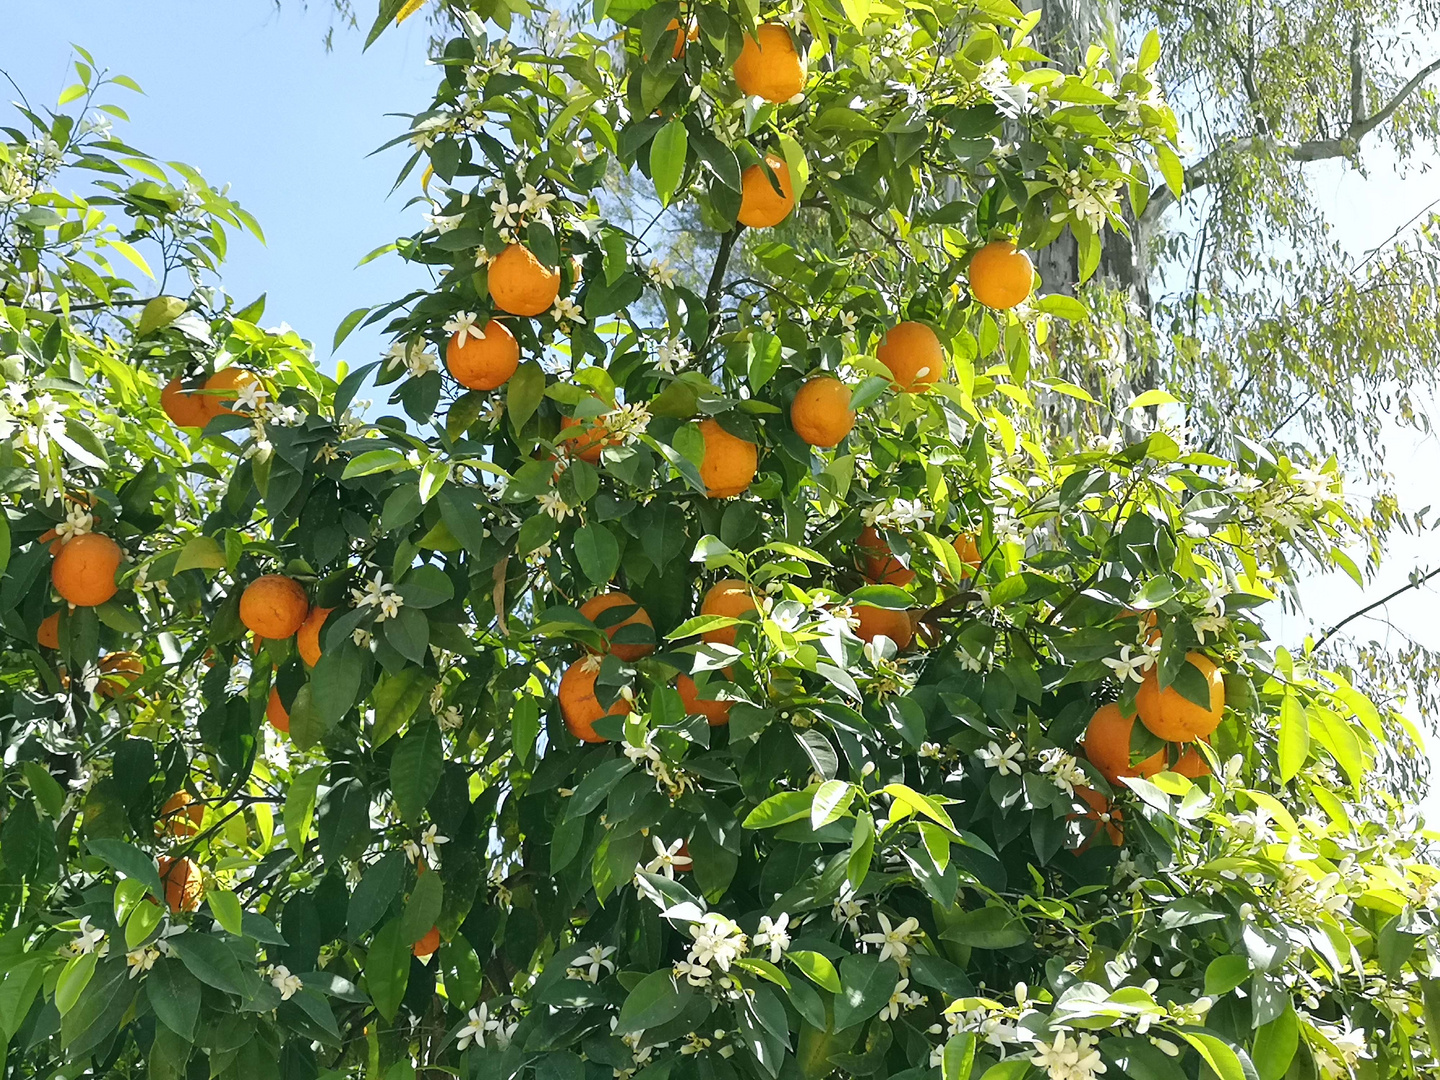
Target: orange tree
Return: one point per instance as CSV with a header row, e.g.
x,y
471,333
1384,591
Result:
x,y
707,678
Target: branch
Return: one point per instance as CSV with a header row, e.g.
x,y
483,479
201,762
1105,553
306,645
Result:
x,y
1357,77
722,262
1207,169
1413,583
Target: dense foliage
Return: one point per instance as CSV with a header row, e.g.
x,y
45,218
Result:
x,y
840,822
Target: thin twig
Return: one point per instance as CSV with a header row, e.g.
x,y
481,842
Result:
x,y
1413,583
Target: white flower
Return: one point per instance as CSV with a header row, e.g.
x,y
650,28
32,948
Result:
x,y
626,422
360,636
379,593
667,859
1006,761
552,504
846,909
449,718
894,941
438,223
88,939
848,319
477,1024
643,754
1209,624
431,839
767,320
1065,1059
506,212
994,75
566,310
1128,666
694,974
1062,768
422,363
535,202
671,356
774,933
595,962
718,940
142,960
463,326
288,985
661,272
1214,599
78,521
249,395
901,999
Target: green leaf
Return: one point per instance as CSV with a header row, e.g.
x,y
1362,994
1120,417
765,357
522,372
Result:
x,y
387,969
396,698
347,325
1226,1061
1294,737
374,461
226,909
74,977
889,597
422,910
200,552
209,961
656,999
831,801
1225,973
598,783
816,967
130,862
1151,398
1171,169
857,11
667,159
523,393
598,552
378,887
174,995
1276,1043
47,792
780,809
865,986
300,807
987,928
958,1058
415,769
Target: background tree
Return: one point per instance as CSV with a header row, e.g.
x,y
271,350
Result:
x,y
687,680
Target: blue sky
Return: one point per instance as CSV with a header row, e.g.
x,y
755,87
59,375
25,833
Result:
x,y
248,95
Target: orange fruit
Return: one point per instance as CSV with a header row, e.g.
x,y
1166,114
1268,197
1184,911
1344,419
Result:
x,y
1174,718
84,571
1148,619
184,408
231,380
276,713
692,34
183,887
1000,276
968,550
521,284
760,205
1192,763
729,463
273,606
48,636
588,444
880,564
895,625
579,707
118,671
716,712
821,413
731,598
627,651
1103,813
307,638
427,944
486,362
913,354
181,815
768,65
1107,746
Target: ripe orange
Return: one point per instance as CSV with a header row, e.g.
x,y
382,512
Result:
x,y
48,635
821,413
183,887
276,713
731,598
184,408
895,625
579,707
880,564
427,944
521,284
1000,276
729,463
84,571
1107,746
760,205
627,651
181,815
589,444
692,34
768,65
230,381
118,671
716,712
968,550
307,638
1102,812
913,354
1171,716
1192,763
273,606
485,362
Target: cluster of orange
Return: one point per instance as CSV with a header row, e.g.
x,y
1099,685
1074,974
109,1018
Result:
x,y
193,406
